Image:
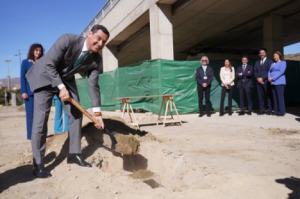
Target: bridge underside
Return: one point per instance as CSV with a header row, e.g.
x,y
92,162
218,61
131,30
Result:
x,y
185,29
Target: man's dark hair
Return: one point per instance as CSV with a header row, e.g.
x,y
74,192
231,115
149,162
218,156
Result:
x,y
34,46
97,27
264,49
245,56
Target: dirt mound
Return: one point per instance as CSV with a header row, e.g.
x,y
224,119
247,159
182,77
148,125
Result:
x,y
119,140
127,144
102,148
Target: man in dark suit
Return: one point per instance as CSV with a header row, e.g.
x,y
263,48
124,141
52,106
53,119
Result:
x,y
263,86
53,74
204,77
244,74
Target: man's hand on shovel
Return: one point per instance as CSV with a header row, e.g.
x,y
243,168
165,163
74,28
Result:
x,y
100,123
96,119
64,94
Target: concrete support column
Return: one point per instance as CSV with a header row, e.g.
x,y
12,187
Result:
x,y
110,59
161,32
273,33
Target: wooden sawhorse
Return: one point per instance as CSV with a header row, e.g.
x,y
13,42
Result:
x,y
168,104
126,107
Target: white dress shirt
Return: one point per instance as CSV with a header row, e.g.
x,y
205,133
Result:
x,y
60,86
262,61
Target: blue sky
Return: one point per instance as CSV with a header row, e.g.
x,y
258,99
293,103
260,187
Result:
x,y
24,22
291,49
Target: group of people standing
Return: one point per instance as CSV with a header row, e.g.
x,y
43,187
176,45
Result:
x,y
268,75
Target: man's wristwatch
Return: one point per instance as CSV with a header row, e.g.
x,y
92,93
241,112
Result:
x,y
97,113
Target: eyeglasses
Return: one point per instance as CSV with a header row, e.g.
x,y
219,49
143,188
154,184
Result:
x,y
204,60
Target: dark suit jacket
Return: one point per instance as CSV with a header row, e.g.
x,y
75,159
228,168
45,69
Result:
x,y
244,78
262,70
200,75
56,67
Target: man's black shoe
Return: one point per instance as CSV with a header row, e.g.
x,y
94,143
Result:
x,y
249,112
39,171
221,114
241,113
76,159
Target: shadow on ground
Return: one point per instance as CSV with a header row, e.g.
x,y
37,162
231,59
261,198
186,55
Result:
x,y
15,176
293,184
94,137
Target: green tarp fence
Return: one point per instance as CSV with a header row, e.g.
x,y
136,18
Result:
x,y
158,77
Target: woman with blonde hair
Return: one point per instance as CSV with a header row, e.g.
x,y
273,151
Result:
x,y
227,76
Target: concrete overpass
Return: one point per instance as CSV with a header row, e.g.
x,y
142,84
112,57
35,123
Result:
x,y
185,29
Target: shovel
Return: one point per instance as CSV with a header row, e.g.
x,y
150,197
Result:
x,y
128,145
82,110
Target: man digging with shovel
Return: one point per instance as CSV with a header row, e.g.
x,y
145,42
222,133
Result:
x,y
53,75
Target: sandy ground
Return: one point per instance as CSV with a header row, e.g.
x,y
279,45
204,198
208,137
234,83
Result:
x,y
219,157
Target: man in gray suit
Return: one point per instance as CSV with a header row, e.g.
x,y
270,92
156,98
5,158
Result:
x,y
53,74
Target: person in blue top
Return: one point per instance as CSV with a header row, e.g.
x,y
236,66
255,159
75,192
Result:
x,y
35,52
277,79
61,124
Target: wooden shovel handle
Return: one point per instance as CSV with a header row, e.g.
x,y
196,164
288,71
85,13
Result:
x,y
82,110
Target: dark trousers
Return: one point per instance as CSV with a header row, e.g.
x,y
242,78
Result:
x,y
204,92
278,99
224,91
42,105
245,93
264,96
29,115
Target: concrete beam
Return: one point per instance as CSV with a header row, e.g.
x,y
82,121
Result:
x,y
124,14
110,59
161,32
273,33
